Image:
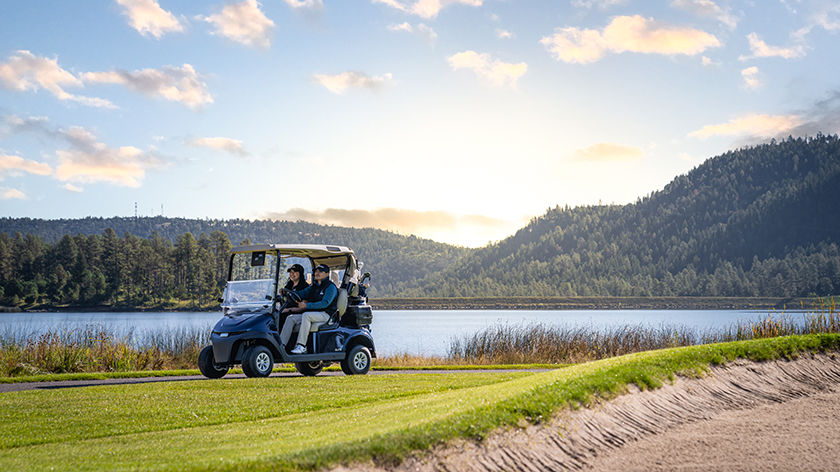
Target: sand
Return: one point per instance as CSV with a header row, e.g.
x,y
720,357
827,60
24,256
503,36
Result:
x,y
779,415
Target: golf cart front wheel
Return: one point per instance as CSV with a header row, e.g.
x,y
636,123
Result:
x,y
258,362
207,364
357,361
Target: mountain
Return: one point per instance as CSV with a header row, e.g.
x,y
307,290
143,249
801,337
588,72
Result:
x,y
758,221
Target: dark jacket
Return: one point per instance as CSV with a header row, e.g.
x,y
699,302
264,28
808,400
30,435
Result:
x,y
302,284
320,297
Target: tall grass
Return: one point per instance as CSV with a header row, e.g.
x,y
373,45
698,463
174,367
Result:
x,y
537,343
98,348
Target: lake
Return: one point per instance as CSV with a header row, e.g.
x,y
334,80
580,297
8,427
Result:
x,y
416,332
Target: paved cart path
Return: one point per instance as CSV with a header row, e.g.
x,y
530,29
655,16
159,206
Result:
x,y
17,387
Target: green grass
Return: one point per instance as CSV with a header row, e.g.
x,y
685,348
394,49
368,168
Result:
x,y
306,423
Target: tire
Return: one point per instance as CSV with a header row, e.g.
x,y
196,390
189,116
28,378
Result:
x,y
309,369
207,364
258,362
357,361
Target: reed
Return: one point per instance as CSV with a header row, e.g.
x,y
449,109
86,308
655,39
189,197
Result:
x,y
537,343
98,348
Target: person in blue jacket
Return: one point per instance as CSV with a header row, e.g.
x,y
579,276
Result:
x,y
317,304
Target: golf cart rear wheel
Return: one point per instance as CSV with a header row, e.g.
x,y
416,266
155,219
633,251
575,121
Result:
x,y
207,364
258,362
357,361
309,368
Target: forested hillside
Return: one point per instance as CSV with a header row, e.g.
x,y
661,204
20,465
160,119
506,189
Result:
x,y
756,221
152,260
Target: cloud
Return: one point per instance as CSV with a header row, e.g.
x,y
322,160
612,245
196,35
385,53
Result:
x,y
504,34
826,15
26,72
760,49
232,146
310,9
13,124
305,4
86,160
243,23
73,188
709,9
496,72
178,84
125,166
401,27
755,125
822,116
600,4
751,80
426,8
11,194
147,17
609,152
394,219
338,84
426,33
627,34
710,63
15,165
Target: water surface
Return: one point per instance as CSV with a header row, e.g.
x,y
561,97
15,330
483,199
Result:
x,y
416,332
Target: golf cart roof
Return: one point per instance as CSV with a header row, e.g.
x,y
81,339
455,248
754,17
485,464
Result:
x,y
323,254
315,251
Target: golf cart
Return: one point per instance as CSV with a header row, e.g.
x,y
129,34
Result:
x,y
249,332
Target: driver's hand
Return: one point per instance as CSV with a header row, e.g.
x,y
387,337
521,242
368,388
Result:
x,y
301,304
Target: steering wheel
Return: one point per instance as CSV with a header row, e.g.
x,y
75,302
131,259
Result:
x,y
290,295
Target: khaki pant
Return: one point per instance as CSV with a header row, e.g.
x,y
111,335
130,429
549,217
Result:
x,y
305,322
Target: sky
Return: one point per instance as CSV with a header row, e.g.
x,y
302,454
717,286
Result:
x,y
454,120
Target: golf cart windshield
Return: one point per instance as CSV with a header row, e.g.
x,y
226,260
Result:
x,y
251,287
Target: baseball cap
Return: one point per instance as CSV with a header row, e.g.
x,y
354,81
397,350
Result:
x,y
323,268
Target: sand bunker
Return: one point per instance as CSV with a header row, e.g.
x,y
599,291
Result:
x,y
779,415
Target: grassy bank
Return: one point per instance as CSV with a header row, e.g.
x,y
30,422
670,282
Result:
x,y
303,423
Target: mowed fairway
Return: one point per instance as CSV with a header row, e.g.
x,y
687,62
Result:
x,y
306,422
211,424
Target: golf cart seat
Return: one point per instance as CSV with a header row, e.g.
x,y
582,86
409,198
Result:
x,y
340,306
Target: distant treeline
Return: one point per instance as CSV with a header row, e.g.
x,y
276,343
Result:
x,y
124,271
391,258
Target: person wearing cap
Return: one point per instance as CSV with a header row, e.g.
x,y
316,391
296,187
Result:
x,y
297,281
317,303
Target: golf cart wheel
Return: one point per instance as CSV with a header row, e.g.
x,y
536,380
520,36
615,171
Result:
x,y
309,369
207,364
357,361
258,362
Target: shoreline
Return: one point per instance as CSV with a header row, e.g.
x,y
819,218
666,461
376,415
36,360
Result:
x,y
505,303
592,303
